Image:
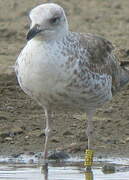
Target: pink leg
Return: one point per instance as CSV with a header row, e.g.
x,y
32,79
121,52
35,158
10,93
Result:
x,y
89,130
47,135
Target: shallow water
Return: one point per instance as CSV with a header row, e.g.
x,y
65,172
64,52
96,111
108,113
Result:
x,y
70,170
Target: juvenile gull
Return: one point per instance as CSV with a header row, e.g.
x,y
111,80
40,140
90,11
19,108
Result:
x,y
67,71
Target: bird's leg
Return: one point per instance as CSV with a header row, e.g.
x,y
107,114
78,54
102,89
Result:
x,y
89,151
47,135
89,131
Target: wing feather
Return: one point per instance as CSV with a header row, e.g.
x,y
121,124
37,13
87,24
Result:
x,y
101,57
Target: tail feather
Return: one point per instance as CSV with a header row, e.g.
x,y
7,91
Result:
x,y
124,77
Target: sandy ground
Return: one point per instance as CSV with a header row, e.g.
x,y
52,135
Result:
x,y
22,120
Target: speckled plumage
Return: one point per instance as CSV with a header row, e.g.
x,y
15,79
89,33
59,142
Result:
x,y
82,68
67,71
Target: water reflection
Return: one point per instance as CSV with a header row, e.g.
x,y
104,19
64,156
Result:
x,y
44,171
89,175
60,171
45,175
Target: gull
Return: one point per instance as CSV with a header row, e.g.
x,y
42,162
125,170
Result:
x,y
66,71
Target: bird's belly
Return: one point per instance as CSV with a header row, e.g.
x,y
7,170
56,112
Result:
x,y
63,100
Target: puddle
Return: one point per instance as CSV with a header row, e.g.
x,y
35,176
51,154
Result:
x,y
69,170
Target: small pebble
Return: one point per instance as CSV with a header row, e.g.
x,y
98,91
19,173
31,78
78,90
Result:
x,y
108,168
58,155
8,139
31,161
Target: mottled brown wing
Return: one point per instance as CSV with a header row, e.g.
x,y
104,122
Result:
x,y
101,57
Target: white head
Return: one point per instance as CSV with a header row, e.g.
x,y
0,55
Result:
x,y
47,22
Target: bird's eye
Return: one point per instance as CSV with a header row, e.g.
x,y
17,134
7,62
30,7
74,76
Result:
x,y
55,20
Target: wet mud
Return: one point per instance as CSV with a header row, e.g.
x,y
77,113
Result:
x,y
22,121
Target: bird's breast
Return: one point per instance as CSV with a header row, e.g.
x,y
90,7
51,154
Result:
x,y
40,69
